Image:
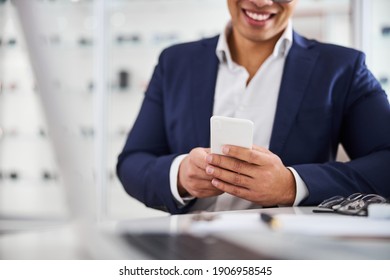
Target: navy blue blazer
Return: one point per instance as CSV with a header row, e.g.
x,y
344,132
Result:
x,y
327,97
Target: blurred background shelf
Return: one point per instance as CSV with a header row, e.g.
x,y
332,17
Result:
x,y
137,31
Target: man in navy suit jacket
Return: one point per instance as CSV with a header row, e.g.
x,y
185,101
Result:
x,y
327,96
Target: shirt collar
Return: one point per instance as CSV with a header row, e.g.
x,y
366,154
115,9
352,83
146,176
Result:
x,y
284,43
282,46
222,51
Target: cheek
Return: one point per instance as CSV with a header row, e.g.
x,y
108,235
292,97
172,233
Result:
x,y
232,8
282,21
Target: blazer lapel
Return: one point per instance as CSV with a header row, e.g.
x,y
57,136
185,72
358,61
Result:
x,y
298,68
204,77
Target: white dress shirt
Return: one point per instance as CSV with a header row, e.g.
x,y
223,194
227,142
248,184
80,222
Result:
x,y
255,101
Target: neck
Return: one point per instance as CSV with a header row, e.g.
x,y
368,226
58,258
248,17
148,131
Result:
x,y
251,55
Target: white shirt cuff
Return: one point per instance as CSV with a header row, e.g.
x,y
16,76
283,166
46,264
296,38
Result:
x,y
301,189
173,173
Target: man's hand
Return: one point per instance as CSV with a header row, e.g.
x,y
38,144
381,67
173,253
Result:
x,y
193,179
254,174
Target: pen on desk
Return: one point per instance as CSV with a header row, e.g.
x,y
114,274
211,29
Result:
x,y
270,220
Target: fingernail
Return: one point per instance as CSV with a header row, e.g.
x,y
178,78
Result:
x,y
225,150
215,182
209,170
209,158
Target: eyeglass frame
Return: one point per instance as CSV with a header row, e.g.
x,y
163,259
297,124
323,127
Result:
x,y
335,202
359,206
356,204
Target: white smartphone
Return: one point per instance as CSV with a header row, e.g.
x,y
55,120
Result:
x,y
230,131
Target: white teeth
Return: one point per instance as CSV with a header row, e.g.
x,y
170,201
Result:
x,y
258,17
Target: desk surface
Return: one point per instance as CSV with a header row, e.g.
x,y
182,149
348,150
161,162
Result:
x,y
279,244
63,241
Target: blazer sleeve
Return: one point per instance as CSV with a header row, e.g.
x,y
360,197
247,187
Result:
x,y
143,165
365,135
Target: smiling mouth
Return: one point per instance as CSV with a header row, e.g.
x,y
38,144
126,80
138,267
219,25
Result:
x,y
258,16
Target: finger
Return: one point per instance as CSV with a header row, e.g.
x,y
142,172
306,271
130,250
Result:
x,y
203,175
198,158
257,156
231,189
233,164
228,176
203,188
194,172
